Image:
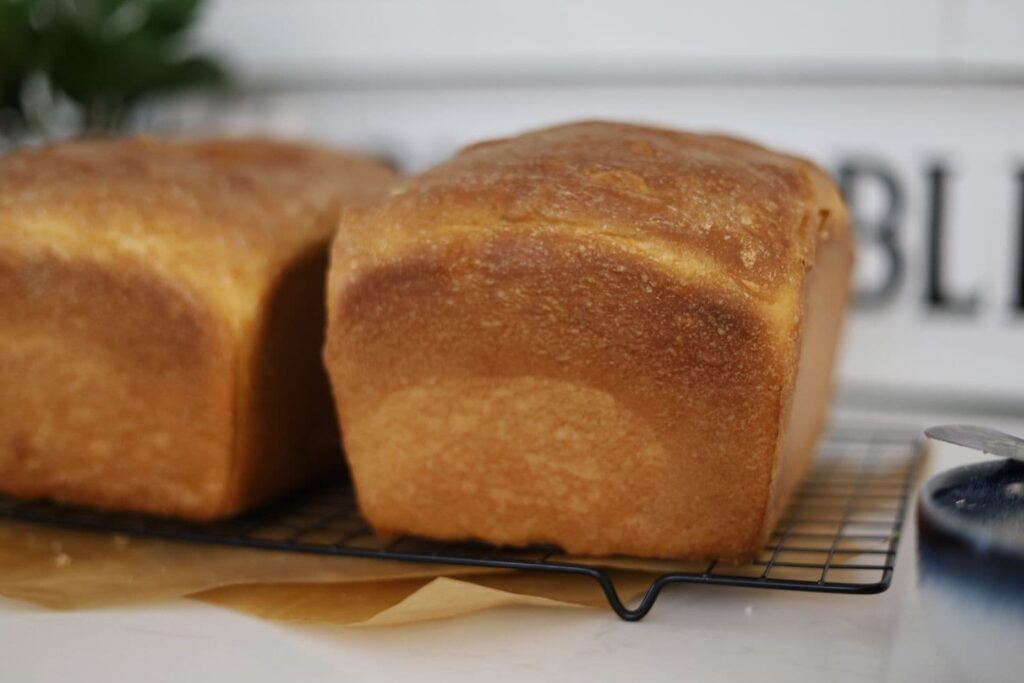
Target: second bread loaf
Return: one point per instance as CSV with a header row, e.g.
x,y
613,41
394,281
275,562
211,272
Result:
x,y
613,338
161,316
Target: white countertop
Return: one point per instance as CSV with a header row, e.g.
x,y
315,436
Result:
x,y
693,633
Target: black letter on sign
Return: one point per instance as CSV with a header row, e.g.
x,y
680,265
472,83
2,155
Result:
x,y
936,295
883,231
1019,303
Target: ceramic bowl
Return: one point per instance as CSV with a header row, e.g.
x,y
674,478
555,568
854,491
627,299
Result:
x,y
971,566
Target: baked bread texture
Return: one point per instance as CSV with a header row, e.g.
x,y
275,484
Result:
x,y
613,338
161,317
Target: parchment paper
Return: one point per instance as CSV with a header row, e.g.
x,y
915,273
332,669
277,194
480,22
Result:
x,y
63,568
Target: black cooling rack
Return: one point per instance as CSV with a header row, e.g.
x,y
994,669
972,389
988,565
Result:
x,y
839,535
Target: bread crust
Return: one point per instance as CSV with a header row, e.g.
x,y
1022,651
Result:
x,y
160,302
586,335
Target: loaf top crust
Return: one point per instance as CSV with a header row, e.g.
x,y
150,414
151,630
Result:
x,y
714,207
221,215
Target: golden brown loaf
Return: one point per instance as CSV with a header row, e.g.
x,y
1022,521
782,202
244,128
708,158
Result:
x,y
161,313
613,338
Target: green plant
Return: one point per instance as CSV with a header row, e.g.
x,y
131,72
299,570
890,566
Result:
x,y
19,55
105,56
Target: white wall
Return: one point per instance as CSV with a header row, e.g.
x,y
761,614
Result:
x,y
902,84
383,40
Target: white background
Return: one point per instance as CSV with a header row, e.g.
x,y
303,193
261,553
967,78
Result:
x,y
903,83
428,39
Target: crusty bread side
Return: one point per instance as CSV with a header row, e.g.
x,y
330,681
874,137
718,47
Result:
x,y
587,335
161,311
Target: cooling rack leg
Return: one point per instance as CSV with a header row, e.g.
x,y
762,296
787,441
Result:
x,y
625,613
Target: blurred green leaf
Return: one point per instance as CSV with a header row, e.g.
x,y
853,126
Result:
x,y
105,55
19,51
172,16
189,72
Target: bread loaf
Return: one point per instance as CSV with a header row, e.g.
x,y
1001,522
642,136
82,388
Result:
x,y
613,338
161,316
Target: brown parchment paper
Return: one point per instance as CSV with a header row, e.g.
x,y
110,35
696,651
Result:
x,y
64,568
384,603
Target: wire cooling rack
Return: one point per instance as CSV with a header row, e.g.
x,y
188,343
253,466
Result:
x,y
839,535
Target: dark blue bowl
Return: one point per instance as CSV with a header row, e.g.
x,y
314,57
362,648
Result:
x,y
971,566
